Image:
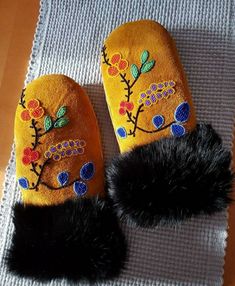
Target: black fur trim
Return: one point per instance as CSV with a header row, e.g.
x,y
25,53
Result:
x,y
79,239
172,179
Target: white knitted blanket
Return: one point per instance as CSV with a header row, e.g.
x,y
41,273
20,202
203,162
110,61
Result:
x,y
68,40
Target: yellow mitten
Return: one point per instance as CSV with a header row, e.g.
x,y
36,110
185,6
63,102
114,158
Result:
x,y
64,228
170,168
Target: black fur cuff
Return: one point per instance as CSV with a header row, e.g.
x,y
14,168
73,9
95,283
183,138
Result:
x,y
79,239
172,179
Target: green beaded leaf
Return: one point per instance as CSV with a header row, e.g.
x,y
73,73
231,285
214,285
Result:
x,y
144,57
147,66
61,112
61,122
134,71
47,123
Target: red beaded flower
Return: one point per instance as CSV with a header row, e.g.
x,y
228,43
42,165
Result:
x,y
29,156
117,65
33,110
124,106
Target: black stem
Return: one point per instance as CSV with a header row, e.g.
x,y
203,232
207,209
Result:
x,y
34,187
38,135
128,85
39,182
139,110
33,165
142,129
39,175
22,101
60,187
104,54
156,130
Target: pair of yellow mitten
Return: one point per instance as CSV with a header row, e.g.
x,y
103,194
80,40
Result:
x,y
170,168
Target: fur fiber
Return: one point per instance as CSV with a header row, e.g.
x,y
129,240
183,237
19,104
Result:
x,y
78,240
172,179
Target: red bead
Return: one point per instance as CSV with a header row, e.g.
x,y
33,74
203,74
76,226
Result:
x,y
122,111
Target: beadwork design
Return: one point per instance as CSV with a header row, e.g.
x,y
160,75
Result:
x,y
24,183
64,149
158,121
182,112
147,98
80,188
121,132
31,111
156,92
29,156
63,178
177,130
87,171
117,64
125,106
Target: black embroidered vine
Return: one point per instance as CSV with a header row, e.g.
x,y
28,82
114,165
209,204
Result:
x,y
33,110
104,54
127,83
39,174
128,86
22,100
134,120
34,166
37,135
60,187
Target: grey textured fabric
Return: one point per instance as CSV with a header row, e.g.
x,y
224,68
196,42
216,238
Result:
x,y
68,40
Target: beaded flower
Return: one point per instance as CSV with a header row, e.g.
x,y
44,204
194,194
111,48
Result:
x,y
33,110
156,92
29,156
125,106
118,64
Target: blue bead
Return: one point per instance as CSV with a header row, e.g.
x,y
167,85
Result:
x,y
182,112
121,131
24,183
87,171
80,188
158,121
63,178
177,130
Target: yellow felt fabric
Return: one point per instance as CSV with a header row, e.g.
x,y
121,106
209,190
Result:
x,y
53,92
124,47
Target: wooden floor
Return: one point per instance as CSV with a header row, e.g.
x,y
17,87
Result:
x,y
17,26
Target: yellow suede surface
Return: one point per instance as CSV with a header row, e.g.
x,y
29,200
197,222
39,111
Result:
x,y
75,123
136,57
